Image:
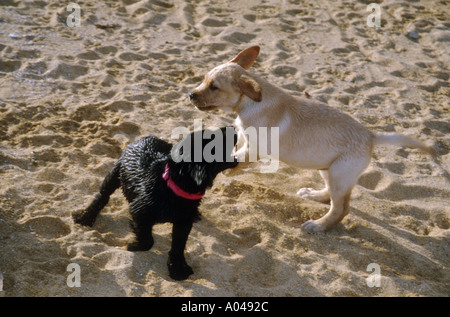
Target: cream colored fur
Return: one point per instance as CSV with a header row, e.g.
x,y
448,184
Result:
x,y
312,134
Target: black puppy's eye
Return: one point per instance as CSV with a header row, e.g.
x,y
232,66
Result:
x,y
212,86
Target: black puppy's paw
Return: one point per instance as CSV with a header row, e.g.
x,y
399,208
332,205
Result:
x,y
139,246
179,270
83,218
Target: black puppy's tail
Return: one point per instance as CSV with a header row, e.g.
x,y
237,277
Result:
x,y
109,185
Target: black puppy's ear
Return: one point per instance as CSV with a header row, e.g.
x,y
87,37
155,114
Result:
x,y
201,175
198,176
178,151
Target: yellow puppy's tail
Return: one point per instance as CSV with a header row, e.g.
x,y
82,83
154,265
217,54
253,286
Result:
x,y
402,140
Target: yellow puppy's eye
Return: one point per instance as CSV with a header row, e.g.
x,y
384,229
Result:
x,y
212,86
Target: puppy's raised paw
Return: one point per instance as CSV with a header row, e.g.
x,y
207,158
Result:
x,y
322,196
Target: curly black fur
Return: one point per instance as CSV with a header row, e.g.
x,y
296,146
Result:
x,y
139,173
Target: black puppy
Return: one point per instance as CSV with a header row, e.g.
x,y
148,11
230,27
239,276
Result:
x,y
165,183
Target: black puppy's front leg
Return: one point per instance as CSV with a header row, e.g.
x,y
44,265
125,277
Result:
x,y
143,240
178,268
141,225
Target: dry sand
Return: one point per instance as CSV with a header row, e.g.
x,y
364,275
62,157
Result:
x,y
72,98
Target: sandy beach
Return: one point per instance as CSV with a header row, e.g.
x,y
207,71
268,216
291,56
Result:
x,y
72,98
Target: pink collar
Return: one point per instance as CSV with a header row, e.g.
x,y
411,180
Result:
x,y
177,190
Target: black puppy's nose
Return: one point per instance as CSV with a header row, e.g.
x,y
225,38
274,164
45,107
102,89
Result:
x,y
193,96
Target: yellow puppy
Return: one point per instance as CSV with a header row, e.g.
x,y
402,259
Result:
x,y
312,134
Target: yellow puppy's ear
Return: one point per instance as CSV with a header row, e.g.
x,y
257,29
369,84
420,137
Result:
x,y
247,57
250,88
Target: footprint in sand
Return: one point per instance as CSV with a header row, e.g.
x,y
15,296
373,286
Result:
x,y
236,188
106,50
284,70
123,105
89,55
239,38
441,126
56,140
130,129
396,191
68,71
103,149
87,113
52,175
48,227
248,237
214,23
28,54
370,179
434,85
258,263
35,70
396,168
8,66
392,189
129,56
